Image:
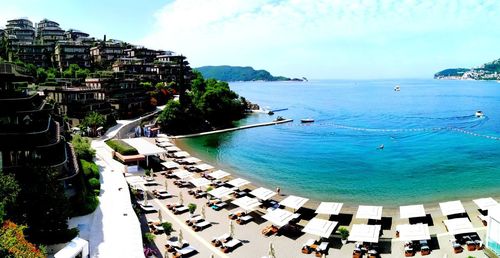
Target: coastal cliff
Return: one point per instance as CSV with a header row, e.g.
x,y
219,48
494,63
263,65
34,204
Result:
x,y
488,71
240,73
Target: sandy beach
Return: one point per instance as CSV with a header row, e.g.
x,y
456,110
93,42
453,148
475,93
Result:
x,y
254,244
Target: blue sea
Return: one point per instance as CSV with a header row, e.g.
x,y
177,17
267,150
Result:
x,y
435,148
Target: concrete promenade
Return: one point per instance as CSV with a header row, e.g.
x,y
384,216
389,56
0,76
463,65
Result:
x,y
232,129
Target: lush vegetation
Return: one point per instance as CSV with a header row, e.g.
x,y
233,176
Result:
x,y
452,72
238,73
13,243
93,121
207,105
121,147
85,201
82,148
42,205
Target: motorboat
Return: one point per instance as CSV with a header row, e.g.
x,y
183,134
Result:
x,y
307,120
397,88
479,113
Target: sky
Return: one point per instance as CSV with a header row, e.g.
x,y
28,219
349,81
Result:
x,y
319,39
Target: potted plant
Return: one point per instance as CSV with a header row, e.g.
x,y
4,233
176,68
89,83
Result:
x,y
167,228
149,252
149,237
191,208
147,172
344,234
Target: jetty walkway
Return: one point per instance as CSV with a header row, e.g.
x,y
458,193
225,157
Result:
x,y
232,129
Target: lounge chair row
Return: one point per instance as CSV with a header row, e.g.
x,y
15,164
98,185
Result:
x,y
312,246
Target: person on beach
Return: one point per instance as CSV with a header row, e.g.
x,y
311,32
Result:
x,y
278,190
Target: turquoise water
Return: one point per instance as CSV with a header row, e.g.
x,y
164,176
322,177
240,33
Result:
x,y
434,147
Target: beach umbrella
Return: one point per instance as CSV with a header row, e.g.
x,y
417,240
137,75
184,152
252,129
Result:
x,y
231,228
180,238
160,217
271,253
323,255
212,256
203,211
166,185
166,255
181,198
145,197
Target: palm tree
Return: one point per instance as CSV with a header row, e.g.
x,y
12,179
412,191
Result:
x,y
93,121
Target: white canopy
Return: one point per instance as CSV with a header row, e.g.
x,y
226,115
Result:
x,y
182,174
170,164
459,226
279,217
451,207
412,211
220,192
364,233
181,154
247,203
218,174
294,202
172,149
369,212
413,232
165,144
330,208
191,160
320,227
144,147
204,167
200,182
263,193
238,182
485,203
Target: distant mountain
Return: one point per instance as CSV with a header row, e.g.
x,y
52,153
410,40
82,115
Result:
x,y
488,71
239,73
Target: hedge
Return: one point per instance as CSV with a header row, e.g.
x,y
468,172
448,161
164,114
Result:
x,y
95,184
90,169
122,147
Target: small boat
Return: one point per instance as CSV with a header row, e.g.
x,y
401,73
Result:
x,y
479,113
381,147
306,120
397,88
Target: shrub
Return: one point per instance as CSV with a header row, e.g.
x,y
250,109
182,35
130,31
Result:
x,y
122,147
149,237
344,233
90,169
95,184
14,244
167,228
192,208
82,148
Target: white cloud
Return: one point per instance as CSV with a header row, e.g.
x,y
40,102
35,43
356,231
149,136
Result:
x,y
291,37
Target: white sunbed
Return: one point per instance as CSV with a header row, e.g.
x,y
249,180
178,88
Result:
x,y
148,208
186,250
202,225
181,209
322,247
163,194
231,244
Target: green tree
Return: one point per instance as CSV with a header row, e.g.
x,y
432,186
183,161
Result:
x,y
41,74
93,121
42,205
9,189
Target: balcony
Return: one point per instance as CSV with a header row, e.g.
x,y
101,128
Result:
x,y
21,136
53,156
